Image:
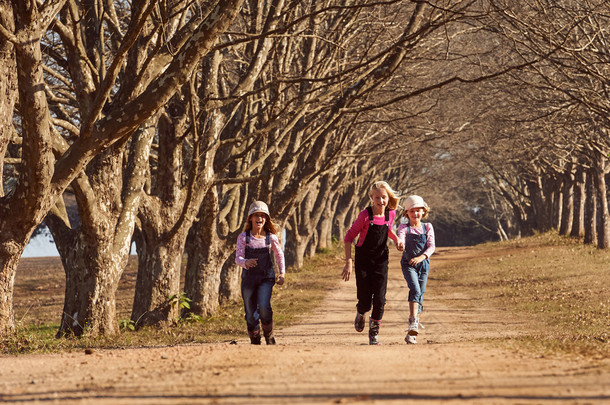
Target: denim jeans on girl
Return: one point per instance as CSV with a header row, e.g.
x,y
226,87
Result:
x,y
415,276
257,285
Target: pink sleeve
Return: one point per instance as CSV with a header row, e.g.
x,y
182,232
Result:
x,y
356,227
430,240
391,233
276,247
402,232
240,252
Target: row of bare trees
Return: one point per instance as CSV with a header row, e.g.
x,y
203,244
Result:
x,y
549,160
162,121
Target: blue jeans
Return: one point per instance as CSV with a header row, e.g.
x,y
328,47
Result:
x,y
416,278
256,293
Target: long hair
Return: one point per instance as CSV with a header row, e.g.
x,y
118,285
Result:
x,y
392,195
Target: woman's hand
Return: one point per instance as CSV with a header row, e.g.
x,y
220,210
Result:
x,y
347,270
280,279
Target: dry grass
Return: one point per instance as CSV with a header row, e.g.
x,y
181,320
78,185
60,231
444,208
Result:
x,y
558,286
39,290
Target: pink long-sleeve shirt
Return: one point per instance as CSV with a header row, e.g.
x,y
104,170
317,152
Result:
x,y
361,226
255,243
430,241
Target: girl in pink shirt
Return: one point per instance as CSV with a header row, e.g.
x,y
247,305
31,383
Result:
x,y
373,226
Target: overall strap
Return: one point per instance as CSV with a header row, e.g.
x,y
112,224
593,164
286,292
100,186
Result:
x,y
369,209
247,237
425,229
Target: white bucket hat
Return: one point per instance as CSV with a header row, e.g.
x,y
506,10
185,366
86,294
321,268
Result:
x,y
415,201
258,206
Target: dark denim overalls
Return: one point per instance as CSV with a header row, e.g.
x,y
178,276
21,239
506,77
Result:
x,y
372,268
416,277
257,285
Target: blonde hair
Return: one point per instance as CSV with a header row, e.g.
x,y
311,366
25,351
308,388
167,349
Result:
x,y
270,226
393,198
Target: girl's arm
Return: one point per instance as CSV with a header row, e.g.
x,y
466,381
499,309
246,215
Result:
x,y
402,232
430,240
392,235
357,227
240,252
351,234
276,247
347,269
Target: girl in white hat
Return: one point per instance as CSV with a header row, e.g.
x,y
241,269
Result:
x,y
255,245
373,226
417,240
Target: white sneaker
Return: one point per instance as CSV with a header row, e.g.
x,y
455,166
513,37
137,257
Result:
x,y
411,339
413,326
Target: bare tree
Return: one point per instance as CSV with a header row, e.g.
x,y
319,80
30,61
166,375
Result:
x,y
107,113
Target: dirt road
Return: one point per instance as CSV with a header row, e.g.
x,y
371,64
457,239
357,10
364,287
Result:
x,y
322,360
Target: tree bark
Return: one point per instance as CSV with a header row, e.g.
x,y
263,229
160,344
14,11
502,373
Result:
x,y
108,201
578,219
158,279
602,214
567,211
206,255
590,213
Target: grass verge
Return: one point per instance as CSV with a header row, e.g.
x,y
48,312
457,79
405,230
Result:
x,y
303,290
558,287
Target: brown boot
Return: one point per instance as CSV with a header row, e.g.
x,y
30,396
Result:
x,y
255,336
268,333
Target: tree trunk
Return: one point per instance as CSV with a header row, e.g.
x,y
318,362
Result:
x,y
206,255
602,217
95,254
295,245
92,278
159,264
230,280
578,219
567,210
8,86
590,214
341,221
325,227
30,196
9,259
